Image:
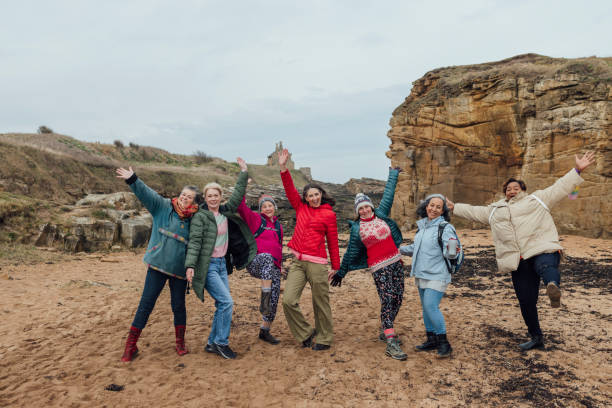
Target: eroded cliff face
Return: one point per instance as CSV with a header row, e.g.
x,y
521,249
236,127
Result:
x,y
464,130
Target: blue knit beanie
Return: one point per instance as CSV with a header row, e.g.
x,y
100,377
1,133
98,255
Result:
x,y
362,200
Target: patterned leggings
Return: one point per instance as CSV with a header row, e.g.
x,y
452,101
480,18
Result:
x,y
262,267
389,283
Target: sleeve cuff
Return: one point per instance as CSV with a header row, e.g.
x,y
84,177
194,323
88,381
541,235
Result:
x,y
132,179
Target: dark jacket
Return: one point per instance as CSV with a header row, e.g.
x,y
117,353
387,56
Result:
x,y
241,244
356,255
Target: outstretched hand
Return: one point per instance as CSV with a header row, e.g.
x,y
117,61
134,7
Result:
x,y
242,164
123,173
587,159
399,169
450,205
283,157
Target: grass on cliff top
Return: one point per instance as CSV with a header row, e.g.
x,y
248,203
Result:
x,y
153,161
529,66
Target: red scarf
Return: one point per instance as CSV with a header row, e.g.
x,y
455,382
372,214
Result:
x,y
184,213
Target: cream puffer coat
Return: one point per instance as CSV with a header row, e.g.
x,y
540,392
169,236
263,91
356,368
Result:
x,y
522,227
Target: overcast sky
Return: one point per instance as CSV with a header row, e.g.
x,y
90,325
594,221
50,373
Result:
x,y
233,77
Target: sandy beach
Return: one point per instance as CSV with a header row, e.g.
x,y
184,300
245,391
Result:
x,y
65,323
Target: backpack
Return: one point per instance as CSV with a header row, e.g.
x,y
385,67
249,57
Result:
x,y
453,265
262,228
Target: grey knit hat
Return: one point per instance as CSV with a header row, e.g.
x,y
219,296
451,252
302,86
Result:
x,y
264,198
362,200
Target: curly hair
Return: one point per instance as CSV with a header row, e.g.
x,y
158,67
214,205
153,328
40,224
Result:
x,y
325,198
421,210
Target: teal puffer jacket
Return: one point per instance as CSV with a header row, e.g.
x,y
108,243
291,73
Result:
x,y
356,255
241,246
169,234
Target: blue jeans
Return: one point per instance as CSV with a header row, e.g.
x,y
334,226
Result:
x,y
526,282
154,283
217,286
432,316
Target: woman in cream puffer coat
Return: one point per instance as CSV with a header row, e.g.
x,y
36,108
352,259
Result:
x,y
526,240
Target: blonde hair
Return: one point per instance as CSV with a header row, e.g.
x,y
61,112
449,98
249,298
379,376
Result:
x,y
214,186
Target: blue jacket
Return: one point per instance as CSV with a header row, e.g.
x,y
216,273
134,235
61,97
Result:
x,y
427,261
356,255
169,234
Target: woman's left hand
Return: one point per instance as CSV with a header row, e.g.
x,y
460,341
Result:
x,y
585,161
242,164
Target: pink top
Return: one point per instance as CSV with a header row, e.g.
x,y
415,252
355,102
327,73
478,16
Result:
x,y
222,237
268,242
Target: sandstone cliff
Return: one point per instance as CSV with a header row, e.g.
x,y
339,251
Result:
x,y
464,130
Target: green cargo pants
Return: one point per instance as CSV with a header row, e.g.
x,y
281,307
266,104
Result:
x,y
301,272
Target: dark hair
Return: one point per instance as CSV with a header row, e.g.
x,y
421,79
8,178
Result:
x,y
513,180
325,198
199,198
421,210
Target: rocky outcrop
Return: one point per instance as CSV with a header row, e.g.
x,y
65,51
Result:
x,y
464,130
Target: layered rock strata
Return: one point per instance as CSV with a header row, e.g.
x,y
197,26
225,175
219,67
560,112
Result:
x,y
464,130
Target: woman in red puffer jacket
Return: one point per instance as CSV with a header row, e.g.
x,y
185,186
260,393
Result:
x,y
316,222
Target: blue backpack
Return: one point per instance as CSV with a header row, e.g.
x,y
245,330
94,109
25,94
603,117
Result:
x,y
262,228
453,265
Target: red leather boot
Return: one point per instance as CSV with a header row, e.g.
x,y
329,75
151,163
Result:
x,y
130,344
181,349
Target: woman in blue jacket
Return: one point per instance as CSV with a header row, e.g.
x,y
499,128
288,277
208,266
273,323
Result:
x,y
165,257
430,269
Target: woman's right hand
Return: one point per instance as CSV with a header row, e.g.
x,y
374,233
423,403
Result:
x,y
585,161
189,272
283,157
123,173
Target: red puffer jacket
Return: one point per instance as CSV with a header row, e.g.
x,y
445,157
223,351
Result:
x,y
313,226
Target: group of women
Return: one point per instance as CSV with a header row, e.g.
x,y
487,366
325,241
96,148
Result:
x,y
199,239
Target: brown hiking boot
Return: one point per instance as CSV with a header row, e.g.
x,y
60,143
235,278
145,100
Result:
x,y
554,293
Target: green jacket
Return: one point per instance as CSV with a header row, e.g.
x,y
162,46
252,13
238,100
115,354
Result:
x,y
203,234
356,255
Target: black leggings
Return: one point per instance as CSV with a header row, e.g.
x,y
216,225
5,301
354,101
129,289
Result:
x,y
389,283
526,281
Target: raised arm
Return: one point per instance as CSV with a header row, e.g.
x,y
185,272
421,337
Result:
x,y
290,191
249,216
566,184
387,199
240,188
152,201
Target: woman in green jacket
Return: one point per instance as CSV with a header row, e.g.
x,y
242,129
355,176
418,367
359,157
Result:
x,y
218,240
373,244
165,257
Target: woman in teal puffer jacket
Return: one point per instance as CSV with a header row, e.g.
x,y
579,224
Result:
x,y
430,270
165,257
373,244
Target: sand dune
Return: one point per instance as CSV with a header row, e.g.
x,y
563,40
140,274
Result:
x,y
64,326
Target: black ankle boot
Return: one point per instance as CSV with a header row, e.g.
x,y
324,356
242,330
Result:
x,y
267,337
264,306
429,344
535,342
444,347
